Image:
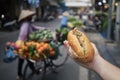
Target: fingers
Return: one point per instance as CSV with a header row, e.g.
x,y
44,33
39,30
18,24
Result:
x,y
93,44
69,50
95,48
71,53
66,44
67,47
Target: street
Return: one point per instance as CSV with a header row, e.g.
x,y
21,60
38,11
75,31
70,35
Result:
x,y
98,19
71,70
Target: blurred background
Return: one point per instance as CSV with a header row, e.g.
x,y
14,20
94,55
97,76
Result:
x,y
99,19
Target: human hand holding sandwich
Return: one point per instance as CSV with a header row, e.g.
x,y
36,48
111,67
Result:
x,y
77,46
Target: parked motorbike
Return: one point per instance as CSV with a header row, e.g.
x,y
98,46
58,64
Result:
x,y
8,24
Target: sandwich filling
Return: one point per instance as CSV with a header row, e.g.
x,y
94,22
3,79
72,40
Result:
x,y
81,41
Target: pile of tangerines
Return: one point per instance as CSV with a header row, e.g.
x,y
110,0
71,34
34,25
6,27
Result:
x,y
31,49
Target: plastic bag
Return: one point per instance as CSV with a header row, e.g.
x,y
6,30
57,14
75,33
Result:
x,y
9,55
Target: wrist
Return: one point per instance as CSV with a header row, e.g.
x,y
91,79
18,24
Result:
x,y
105,69
97,63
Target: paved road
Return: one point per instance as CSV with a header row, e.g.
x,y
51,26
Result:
x,y
70,71
7,71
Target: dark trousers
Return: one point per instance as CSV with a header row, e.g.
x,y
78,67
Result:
x,y
20,66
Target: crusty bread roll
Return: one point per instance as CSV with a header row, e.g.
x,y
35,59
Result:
x,y
81,46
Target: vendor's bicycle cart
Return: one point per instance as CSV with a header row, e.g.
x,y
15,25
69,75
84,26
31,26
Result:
x,y
45,52
47,63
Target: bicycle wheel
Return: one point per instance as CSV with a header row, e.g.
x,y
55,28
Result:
x,y
62,57
39,69
25,72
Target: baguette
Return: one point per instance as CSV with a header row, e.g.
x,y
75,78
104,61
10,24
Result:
x,y
81,47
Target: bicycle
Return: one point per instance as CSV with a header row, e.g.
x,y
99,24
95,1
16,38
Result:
x,y
48,64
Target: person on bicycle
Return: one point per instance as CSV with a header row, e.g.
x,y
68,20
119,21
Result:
x,y
26,28
64,19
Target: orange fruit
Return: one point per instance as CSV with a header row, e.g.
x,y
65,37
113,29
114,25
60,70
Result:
x,y
19,42
52,52
39,50
15,51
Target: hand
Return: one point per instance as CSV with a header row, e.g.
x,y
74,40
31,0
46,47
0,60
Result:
x,y
88,65
105,69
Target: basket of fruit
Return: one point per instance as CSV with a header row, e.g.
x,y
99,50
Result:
x,y
40,45
33,50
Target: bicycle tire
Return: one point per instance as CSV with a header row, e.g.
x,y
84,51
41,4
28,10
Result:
x,y
40,68
62,57
25,72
